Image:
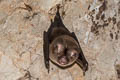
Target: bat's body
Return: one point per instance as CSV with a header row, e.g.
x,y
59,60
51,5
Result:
x,y
61,46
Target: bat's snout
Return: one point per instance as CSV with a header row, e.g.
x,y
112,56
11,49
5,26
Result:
x,y
63,60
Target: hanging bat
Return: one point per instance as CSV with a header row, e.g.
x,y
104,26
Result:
x,y
61,46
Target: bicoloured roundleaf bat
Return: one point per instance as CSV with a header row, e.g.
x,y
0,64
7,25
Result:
x,y
61,46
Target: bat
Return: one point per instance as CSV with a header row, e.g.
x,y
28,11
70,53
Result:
x,y
61,46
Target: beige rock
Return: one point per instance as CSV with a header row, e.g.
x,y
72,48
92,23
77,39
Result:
x,y
95,22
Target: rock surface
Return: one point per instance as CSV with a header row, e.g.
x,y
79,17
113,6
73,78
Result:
x,y
96,23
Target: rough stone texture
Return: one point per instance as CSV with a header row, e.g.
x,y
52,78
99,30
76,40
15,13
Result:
x,y
95,22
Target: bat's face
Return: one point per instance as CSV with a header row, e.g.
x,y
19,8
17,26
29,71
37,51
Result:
x,y
64,51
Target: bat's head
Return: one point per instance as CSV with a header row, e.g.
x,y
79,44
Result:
x,y
64,51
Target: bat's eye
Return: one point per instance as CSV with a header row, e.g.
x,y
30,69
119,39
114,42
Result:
x,y
59,48
73,54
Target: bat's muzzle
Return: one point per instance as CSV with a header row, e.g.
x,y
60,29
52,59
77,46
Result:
x,y
63,60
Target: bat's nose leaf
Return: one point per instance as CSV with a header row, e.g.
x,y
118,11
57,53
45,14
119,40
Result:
x,y
63,60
